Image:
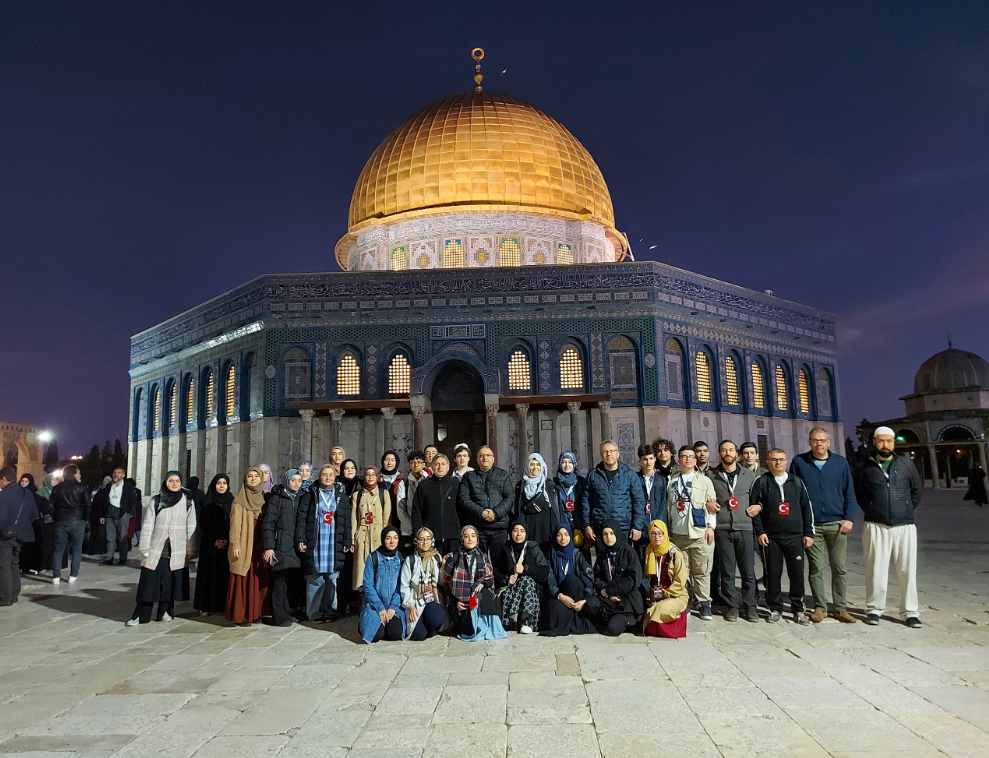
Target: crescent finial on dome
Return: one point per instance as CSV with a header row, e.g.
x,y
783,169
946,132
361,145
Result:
x,y
477,53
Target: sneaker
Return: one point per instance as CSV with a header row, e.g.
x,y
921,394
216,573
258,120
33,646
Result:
x,y
817,616
914,623
705,613
107,563
166,617
844,617
731,614
56,580
872,619
752,615
72,579
132,622
801,619
774,617
525,629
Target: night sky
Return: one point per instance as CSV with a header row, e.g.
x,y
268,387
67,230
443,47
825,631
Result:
x,y
155,155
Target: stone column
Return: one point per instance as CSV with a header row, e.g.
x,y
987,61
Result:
x,y
492,410
307,414
336,417
982,454
388,414
417,414
935,476
574,408
522,409
605,407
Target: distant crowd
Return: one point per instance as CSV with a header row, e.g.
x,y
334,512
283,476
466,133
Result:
x,y
444,547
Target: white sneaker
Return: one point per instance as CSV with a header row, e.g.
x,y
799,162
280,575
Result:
x,y
56,580
72,579
132,622
526,629
166,617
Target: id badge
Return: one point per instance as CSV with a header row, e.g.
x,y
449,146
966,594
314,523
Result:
x,y
328,517
569,505
784,508
657,592
427,595
681,505
733,503
369,518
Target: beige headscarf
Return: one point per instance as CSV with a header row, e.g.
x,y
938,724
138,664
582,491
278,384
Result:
x,y
251,498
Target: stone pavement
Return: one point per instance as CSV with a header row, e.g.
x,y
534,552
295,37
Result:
x,y
73,680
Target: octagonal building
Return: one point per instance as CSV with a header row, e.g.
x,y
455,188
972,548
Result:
x,y
486,297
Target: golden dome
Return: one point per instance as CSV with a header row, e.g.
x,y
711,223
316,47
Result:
x,y
477,150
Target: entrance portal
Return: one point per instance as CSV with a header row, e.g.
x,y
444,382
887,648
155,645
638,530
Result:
x,y
458,408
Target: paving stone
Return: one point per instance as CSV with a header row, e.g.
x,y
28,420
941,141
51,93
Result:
x,y
477,741
60,746
618,662
483,703
419,701
278,711
769,736
616,704
656,742
966,702
542,697
242,747
167,744
571,740
331,728
748,700
868,730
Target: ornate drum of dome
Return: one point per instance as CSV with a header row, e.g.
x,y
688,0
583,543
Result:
x,y
479,179
951,370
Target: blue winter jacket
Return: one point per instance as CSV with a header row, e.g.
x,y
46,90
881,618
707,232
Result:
x,y
831,488
623,500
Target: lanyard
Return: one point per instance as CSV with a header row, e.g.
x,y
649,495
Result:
x,y
685,488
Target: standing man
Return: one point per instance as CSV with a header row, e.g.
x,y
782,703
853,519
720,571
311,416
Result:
x,y
832,496
613,492
17,516
785,525
889,491
733,536
115,504
417,464
71,505
665,457
690,495
703,456
750,458
485,501
434,506
653,491
429,452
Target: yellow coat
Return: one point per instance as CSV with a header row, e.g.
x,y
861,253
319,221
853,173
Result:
x,y
367,536
675,603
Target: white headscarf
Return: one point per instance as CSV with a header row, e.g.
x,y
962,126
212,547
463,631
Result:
x,y
534,484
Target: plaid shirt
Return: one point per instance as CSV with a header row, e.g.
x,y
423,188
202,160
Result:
x,y
323,557
463,578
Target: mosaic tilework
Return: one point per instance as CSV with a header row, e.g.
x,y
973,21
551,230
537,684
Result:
x,y
544,367
372,370
319,385
597,363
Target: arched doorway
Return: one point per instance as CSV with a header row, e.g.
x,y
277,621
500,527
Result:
x,y
458,407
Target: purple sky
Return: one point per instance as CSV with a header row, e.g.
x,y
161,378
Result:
x,y
155,155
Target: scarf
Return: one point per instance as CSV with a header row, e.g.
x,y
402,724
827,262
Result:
x,y
567,480
349,483
610,552
534,484
653,553
306,483
266,484
46,487
390,472
383,550
251,499
226,499
167,498
377,478
30,483
426,555
469,556
563,557
517,548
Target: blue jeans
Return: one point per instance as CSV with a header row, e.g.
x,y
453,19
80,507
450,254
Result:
x,y
321,595
71,531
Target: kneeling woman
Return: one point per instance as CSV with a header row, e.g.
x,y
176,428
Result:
x,y
521,572
472,606
617,600
419,584
167,526
571,585
666,586
382,617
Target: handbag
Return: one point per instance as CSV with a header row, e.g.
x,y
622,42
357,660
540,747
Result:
x,y
11,533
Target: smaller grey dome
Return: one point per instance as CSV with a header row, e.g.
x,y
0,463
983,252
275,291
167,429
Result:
x,y
951,370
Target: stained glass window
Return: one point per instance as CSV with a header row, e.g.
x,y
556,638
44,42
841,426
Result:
x,y
564,254
518,372
399,259
399,375
703,377
782,399
571,369
348,375
453,254
731,380
510,253
231,391
758,390
804,391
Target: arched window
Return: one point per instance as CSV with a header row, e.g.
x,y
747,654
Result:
x,y
519,379
348,375
399,375
209,408
298,374
731,380
136,427
509,252
782,396
190,401
621,369
803,391
758,387
156,405
824,393
674,370
703,369
571,369
564,254
230,395
399,258
453,254
173,406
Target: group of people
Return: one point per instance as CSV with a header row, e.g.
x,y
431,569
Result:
x,y
450,547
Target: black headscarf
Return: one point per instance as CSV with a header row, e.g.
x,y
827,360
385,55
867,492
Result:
x,y
389,471
167,498
31,485
619,537
226,499
352,483
383,550
516,547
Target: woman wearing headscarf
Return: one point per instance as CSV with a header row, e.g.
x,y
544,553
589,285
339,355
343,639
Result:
x,y
351,483
382,615
419,583
570,487
37,556
337,457
248,590
461,457
348,477
665,584
278,528
537,505
617,602
322,534
370,513
47,485
166,544
571,585
469,577
521,573
390,478
305,471
213,571
268,479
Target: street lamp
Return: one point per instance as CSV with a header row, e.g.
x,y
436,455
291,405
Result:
x,y
46,436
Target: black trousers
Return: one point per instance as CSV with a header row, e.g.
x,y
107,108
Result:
x,y
10,570
143,611
736,549
493,541
281,608
430,623
788,550
391,631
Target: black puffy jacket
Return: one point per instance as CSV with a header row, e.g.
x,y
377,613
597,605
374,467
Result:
x,y
278,528
71,500
482,490
305,525
434,506
889,500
